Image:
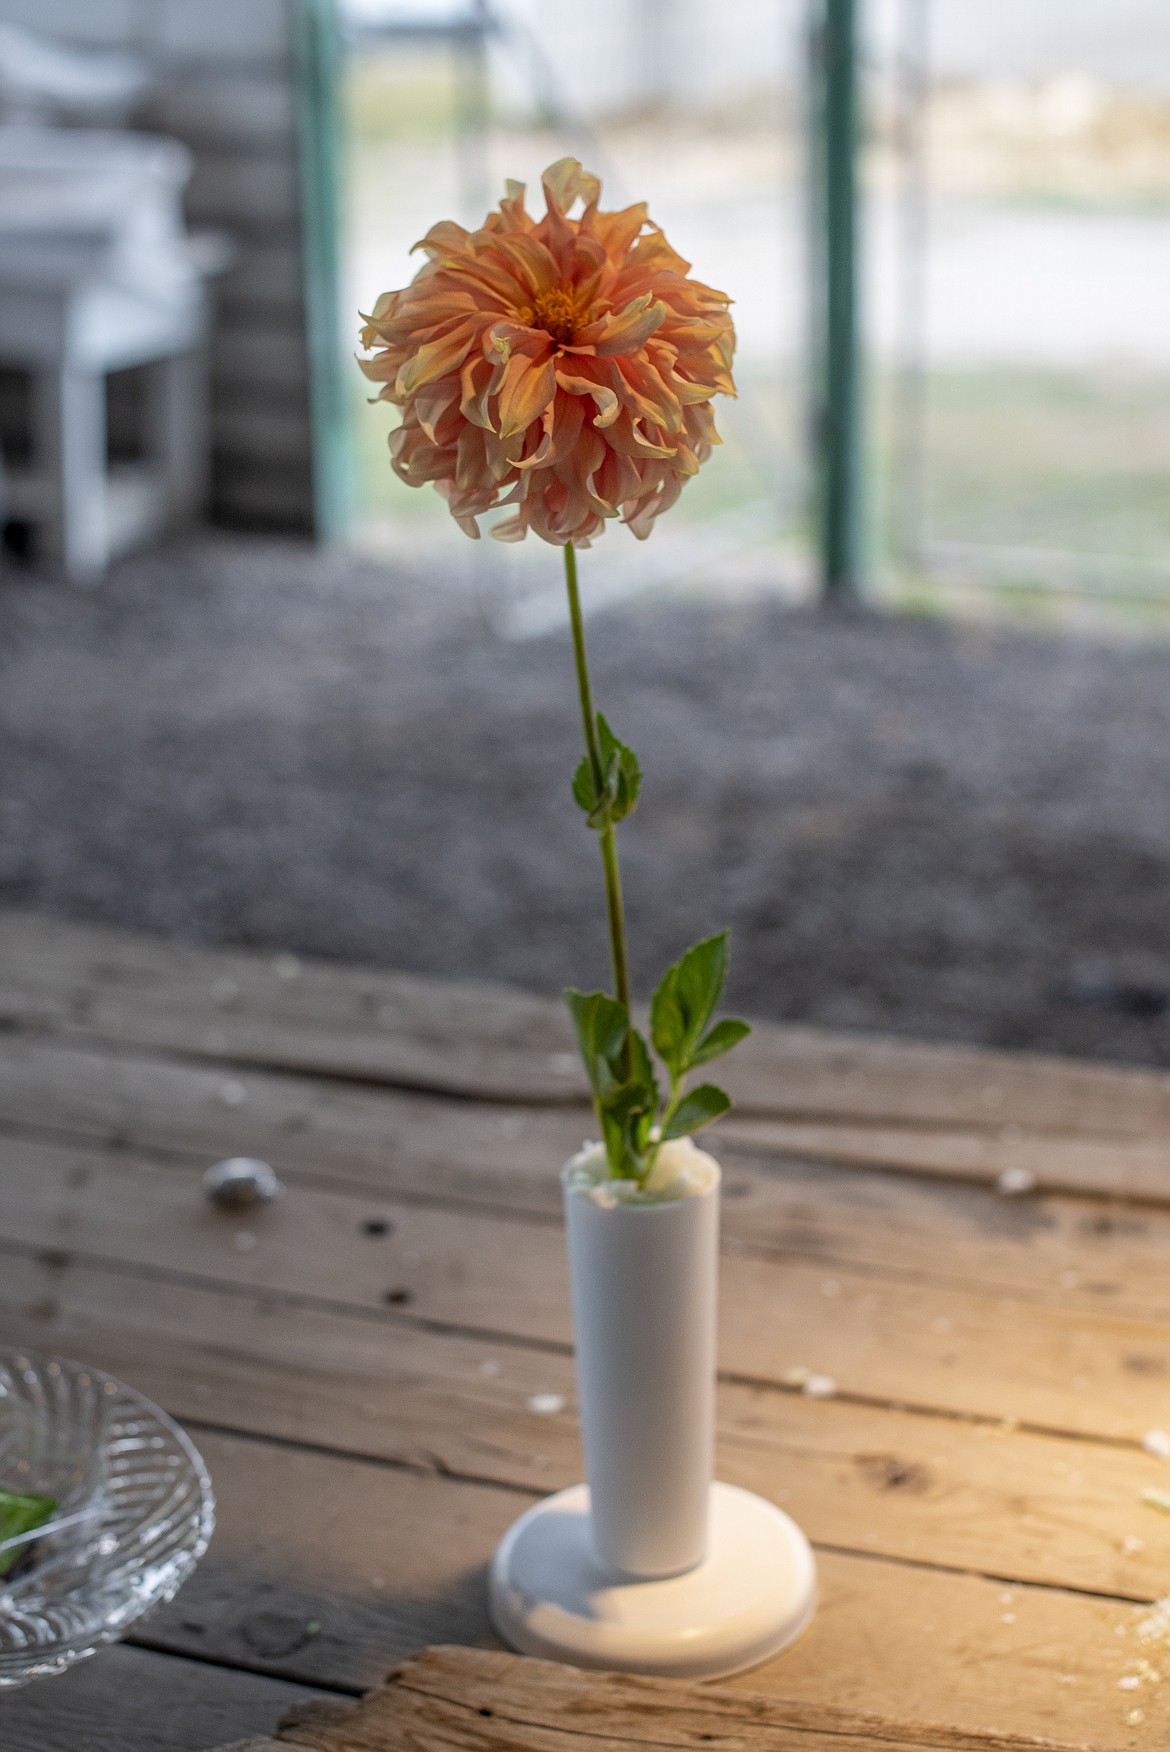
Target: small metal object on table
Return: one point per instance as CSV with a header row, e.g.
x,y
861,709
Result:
x,y
953,1390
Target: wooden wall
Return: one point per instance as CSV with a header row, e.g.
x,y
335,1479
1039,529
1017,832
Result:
x,y
227,86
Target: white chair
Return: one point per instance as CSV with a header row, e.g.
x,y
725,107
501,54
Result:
x,y
97,275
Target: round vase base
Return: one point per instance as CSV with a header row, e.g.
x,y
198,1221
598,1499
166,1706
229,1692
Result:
x,y
752,1595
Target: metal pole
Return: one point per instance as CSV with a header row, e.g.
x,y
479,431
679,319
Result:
x,y
837,434
472,111
317,47
909,406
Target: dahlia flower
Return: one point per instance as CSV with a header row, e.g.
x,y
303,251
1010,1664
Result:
x,y
564,366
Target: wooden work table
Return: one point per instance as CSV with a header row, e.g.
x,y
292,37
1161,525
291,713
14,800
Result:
x,y
368,1364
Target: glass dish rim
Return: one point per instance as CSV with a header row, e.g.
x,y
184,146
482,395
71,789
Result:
x,y
51,1660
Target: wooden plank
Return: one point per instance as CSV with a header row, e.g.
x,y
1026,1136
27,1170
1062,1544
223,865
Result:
x,y
328,1569
255,182
79,1087
260,435
264,277
86,983
386,1141
447,1403
262,351
930,1490
965,1653
454,1697
1048,1359
109,26
280,301
136,1700
497,1156
226,107
237,33
520,1692
1118,1167
317,1570
263,499
506,1045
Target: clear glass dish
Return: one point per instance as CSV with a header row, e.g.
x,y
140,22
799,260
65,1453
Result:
x,y
134,1511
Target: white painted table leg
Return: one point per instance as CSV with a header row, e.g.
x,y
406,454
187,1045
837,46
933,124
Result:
x,y
70,459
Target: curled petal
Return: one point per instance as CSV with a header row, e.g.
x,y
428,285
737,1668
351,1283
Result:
x,y
608,406
442,239
513,528
565,181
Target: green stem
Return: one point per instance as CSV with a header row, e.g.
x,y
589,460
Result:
x,y
609,860
668,1113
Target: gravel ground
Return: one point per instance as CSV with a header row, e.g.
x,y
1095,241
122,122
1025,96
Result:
x,y
912,826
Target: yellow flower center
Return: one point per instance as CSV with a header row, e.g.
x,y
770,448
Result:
x,y
556,312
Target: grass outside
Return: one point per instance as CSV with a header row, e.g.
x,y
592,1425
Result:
x,y
1038,485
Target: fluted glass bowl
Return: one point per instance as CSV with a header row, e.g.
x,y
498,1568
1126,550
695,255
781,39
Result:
x,y
133,1517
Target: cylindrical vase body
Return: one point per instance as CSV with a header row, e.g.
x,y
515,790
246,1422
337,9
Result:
x,y
644,1280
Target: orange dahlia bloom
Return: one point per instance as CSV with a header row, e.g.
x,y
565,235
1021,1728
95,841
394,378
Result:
x,y
563,366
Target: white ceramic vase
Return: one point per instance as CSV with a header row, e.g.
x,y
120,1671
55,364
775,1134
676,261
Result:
x,y
650,1567
644,1281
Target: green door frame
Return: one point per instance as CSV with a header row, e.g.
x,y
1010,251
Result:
x,y
317,62
833,244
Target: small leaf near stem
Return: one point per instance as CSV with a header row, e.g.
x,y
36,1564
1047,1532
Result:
x,y
620,784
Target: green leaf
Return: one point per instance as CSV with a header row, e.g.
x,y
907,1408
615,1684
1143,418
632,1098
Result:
x,y
602,1026
641,1069
685,1002
667,1024
20,1514
721,1039
584,790
701,976
699,1108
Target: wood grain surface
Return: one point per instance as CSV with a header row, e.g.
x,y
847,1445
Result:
x,y
378,1366
465,1698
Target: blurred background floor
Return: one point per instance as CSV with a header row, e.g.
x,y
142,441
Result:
x,y
944,830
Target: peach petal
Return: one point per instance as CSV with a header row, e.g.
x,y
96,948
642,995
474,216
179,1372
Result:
x,y
631,328
432,360
526,391
510,529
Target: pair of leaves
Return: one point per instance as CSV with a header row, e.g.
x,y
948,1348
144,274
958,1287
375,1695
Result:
x,y
621,780
680,1015
625,1090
